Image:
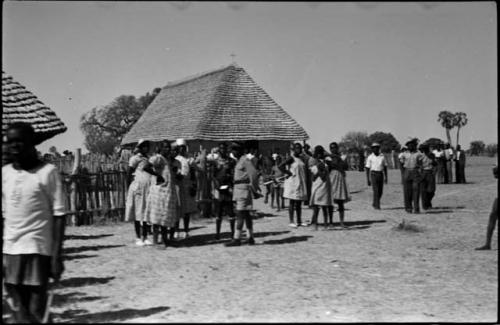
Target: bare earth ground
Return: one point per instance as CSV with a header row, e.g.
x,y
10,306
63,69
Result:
x,y
370,272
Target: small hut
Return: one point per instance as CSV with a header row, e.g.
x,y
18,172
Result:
x,y
20,105
221,105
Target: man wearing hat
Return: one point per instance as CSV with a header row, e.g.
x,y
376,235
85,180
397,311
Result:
x,y
412,164
376,173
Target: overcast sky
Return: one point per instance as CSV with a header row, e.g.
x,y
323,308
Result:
x,y
334,67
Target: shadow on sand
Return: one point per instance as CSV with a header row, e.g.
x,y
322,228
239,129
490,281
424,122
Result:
x,y
74,257
72,297
83,237
70,250
288,240
82,315
209,239
80,282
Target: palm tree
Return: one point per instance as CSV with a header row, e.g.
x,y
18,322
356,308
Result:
x,y
459,120
447,119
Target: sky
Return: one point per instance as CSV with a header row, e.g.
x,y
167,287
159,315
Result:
x,y
334,67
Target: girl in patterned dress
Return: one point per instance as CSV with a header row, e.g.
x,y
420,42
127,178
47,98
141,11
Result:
x,y
339,192
320,189
295,185
135,206
163,203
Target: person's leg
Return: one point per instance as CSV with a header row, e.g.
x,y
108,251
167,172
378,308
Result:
x,y
341,213
491,226
218,219
416,192
236,241
37,302
291,207
375,188
164,235
407,188
273,194
187,217
268,190
145,230
20,300
249,225
423,192
156,232
325,215
137,227
330,216
232,218
314,218
298,210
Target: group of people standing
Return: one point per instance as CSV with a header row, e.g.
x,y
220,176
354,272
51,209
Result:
x,y
445,158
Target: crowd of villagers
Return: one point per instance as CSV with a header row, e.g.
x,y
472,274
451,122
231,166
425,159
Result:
x,y
171,185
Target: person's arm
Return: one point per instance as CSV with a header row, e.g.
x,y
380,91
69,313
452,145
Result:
x,y
59,212
283,165
254,178
367,168
385,174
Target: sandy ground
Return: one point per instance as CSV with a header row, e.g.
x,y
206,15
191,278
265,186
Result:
x,y
370,272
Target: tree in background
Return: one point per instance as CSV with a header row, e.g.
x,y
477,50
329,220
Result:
x,y
386,140
354,141
492,149
434,142
53,151
104,127
459,120
477,148
447,120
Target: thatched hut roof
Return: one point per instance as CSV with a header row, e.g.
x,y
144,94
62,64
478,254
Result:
x,y
221,105
20,105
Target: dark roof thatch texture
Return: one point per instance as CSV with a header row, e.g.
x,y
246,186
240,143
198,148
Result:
x,y
20,105
222,105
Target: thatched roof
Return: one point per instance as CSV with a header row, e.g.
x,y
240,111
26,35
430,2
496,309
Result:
x,y
20,105
221,105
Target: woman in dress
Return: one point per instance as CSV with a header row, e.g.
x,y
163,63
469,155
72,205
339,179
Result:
x,y
163,203
339,192
320,189
135,206
203,195
295,185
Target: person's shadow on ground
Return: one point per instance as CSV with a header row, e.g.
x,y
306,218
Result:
x,y
209,239
79,249
82,315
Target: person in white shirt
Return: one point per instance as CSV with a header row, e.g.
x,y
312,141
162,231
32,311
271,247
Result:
x,y
441,163
448,173
187,188
33,209
376,173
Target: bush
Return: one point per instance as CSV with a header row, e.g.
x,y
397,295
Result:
x,y
491,149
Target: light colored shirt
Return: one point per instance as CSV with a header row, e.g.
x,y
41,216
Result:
x,y
412,160
30,200
184,165
448,153
376,163
437,153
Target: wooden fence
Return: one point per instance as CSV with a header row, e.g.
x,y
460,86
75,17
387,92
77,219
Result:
x,y
95,188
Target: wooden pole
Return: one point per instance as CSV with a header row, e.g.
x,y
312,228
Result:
x,y
74,172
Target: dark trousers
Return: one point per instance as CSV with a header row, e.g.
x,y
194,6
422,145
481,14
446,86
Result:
x,y
459,172
377,180
427,188
412,189
448,174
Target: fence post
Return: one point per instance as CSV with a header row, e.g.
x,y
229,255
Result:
x,y
74,171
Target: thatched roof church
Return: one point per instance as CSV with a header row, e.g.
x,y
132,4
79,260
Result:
x,y
221,105
20,105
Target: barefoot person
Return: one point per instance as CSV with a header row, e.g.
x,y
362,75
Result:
x,y
223,189
376,173
135,205
187,188
320,188
277,176
163,203
339,192
492,220
33,210
295,186
246,188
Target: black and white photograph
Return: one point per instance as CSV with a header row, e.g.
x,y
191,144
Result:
x,y
249,162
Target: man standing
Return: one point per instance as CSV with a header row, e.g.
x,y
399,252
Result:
x,y
246,188
460,166
412,163
33,209
428,183
448,157
441,162
492,219
223,187
376,173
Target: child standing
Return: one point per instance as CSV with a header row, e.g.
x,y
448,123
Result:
x,y
320,188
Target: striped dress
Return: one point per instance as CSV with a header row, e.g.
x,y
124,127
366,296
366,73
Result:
x,y
320,188
162,207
